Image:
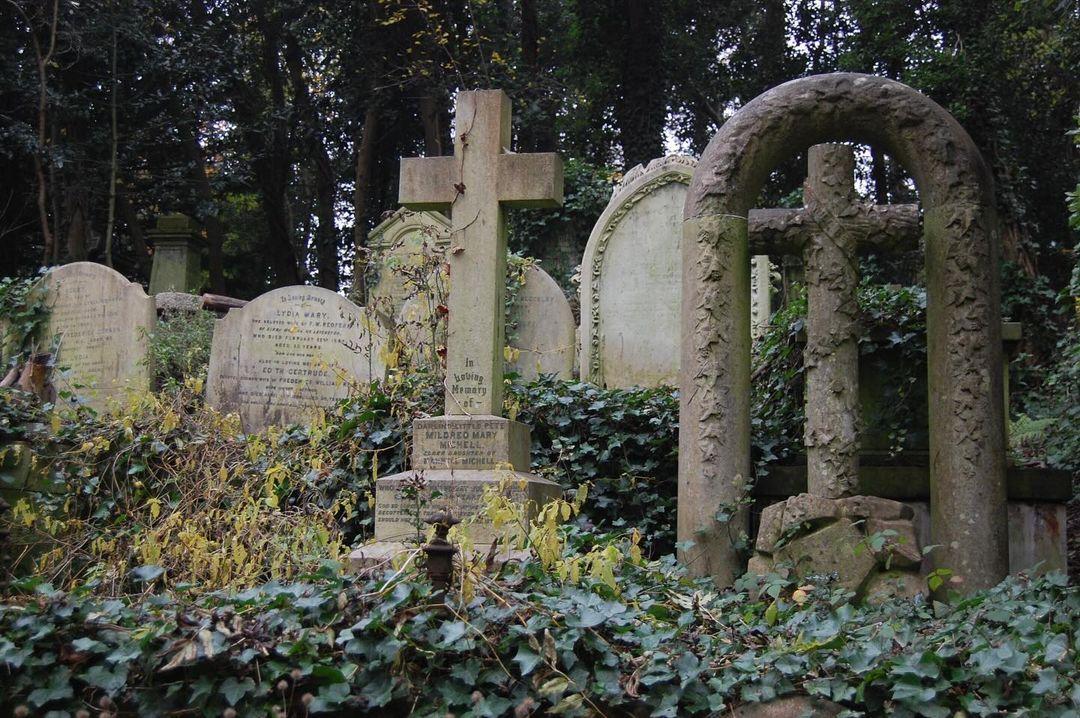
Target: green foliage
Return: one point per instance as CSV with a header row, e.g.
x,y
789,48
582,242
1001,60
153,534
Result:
x,y
180,346
23,315
623,442
528,644
1054,410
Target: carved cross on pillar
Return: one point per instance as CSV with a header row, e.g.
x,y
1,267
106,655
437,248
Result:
x,y
827,232
476,184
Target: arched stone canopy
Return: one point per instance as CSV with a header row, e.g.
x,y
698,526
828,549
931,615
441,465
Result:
x,y
967,465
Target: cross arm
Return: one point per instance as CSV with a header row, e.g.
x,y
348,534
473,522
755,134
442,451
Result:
x,y
894,227
778,231
427,183
533,180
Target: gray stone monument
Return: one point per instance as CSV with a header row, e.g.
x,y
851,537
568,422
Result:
x,y
544,338
472,445
177,265
291,353
397,244
631,280
98,324
967,427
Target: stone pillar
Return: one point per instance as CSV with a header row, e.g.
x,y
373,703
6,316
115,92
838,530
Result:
x,y
177,263
832,348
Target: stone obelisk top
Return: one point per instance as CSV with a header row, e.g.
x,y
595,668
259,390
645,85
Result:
x,y
475,184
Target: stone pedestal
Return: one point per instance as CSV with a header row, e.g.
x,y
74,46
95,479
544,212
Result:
x,y
177,263
454,459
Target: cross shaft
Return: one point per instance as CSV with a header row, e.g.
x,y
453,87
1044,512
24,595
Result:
x,y
476,184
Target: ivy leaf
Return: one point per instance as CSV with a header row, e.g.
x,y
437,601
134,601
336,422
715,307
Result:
x,y
110,681
234,690
527,659
147,573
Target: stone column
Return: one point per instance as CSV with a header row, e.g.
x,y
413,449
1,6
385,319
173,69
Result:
x,y
177,265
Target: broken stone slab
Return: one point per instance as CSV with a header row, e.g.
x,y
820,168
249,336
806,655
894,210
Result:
x,y
891,585
865,507
788,707
770,527
807,510
902,549
838,548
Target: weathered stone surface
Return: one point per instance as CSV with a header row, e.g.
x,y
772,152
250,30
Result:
x,y
864,507
838,548
894,584
177,264
903,549
462,492
963,316
398,245
631,286
770,527
99,321
291,353
1037,540
470,442
791,707
479,181
806,509
177,302
544,334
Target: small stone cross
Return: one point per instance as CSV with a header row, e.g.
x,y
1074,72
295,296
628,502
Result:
x,y
476,184
827,232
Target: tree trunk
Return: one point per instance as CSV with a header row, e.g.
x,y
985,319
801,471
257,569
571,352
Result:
x,y
432,118
365,155
135,231
215,233
325,182
114,158
640,107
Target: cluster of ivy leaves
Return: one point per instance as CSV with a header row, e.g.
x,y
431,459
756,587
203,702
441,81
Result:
x,y
529,645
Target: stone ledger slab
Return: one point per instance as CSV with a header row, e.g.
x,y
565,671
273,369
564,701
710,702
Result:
x,y
99,322
290,353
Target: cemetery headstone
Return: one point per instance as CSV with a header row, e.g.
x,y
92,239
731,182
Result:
x,y
290,353
472,446
967,430
631,280
99,324
177,265
397,246
544,338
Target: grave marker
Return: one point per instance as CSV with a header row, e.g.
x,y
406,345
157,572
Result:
x,y
100,322
290,353
472,446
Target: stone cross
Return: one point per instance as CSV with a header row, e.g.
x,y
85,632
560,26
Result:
x,y
476,184
828,232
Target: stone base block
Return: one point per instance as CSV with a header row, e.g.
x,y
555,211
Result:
x,y
470,442
381,554
862,541
460,491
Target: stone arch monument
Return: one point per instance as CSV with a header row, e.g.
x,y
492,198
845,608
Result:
x,y
967,442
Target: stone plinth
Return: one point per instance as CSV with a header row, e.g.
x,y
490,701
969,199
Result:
x,y
177,263
455,458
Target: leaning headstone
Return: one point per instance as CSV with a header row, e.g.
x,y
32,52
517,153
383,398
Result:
x,y
399,246
98,325
631,280
291,353
542,329
473,446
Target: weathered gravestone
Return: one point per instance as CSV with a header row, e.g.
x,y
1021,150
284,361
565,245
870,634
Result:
x,y
177,265
291,353
472,445
397,247
967,431
543,337
98,324
631,280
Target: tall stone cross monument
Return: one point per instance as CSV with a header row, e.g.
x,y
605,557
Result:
x,y
475,185
827,233
471,446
